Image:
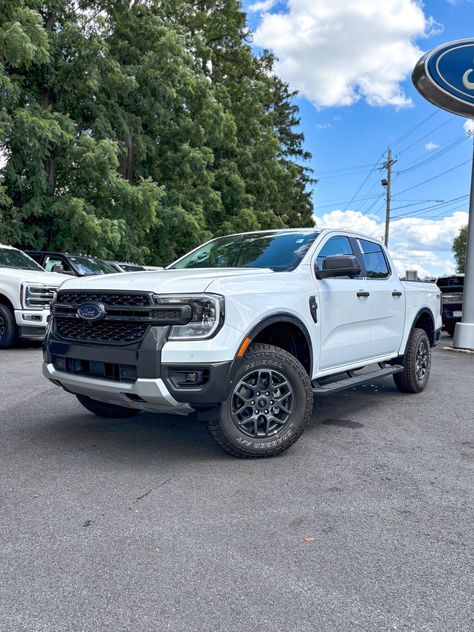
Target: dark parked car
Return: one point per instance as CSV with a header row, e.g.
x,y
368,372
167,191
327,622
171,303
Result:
x,y
123,266
451,298
75,265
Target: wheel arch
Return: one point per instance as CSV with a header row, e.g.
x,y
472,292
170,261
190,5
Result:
x,y
4,300
286,331
425,320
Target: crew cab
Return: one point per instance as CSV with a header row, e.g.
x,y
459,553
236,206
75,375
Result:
x,y
245,330
26,292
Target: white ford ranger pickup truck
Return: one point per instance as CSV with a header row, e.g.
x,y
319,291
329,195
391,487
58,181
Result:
x,y
26,292
245,329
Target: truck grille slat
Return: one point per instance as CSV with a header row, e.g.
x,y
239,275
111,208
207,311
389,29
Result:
x,y
107,298
103,331
127,319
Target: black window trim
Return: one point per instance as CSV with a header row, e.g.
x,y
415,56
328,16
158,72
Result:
x,y
355,251
362,262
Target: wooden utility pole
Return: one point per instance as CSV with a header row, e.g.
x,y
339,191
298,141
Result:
x,y
388,183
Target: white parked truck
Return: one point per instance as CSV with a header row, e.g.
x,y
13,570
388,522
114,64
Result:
x,y
26,292
245,329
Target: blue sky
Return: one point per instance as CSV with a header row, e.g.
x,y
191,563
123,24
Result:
x,y
351,61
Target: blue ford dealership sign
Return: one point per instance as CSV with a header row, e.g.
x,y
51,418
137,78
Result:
x,y
445,76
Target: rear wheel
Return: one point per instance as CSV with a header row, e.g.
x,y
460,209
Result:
x,y
8,328
417,363
102,409
268,407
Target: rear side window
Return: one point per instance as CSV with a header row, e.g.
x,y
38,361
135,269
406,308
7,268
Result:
x,y
374,260
334,246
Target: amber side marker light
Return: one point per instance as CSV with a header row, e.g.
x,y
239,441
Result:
x,y
243,347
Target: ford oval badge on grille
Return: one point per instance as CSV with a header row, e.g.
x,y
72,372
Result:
x,y
91,311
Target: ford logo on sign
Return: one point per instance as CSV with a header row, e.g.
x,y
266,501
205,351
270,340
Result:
x,y
91,311
445,76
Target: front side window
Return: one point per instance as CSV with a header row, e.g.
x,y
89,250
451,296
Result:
x,y
11,258
281,252
51,262
335,246
376,265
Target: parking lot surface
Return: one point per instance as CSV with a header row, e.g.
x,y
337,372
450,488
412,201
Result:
x,y
144,524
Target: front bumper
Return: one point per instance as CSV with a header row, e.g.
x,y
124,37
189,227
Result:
x,y
32,323
140,375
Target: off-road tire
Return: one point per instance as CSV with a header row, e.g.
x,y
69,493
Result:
x,y
407,380
8,328
109,411
233,439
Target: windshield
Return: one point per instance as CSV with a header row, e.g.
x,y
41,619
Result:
x,y
87,266
131,267
280,252
10,258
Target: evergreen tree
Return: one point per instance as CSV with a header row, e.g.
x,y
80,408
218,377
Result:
x,y
140,129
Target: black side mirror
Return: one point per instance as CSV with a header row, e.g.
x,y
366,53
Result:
x,y
339,265
59,269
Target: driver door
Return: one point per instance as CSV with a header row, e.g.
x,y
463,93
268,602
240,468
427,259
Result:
x,y
344,312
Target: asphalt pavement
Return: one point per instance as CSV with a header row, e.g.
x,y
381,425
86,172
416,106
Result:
x,y
145,525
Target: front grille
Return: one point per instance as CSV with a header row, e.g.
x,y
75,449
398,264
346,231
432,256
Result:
x,y
104,331
126,316
107,298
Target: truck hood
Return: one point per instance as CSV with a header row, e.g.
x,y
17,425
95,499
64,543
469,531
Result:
x,y
33,276
162,281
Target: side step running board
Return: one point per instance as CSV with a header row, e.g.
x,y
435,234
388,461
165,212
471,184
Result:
x,y
354,380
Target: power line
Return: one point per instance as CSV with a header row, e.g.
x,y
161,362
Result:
x,y
364,181
413,129
435,177
418,140
437,154
431,208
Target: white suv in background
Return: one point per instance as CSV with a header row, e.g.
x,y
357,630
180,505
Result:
x,y
26,292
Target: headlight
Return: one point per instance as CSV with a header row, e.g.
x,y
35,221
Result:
x,y
37,295
207,315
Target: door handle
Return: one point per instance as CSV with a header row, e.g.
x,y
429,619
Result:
x,y
361,293
396,293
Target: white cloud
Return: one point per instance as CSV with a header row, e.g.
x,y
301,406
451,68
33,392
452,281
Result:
x,y
264,5
430,146
320,126
339,51
469,127
415,243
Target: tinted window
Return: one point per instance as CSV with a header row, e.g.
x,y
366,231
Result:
x,y
277,251
89,266
334,246
10,258
50,262
374,260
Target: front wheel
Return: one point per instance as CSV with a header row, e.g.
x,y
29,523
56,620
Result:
x,y
102,409
417,363
268,407
8,328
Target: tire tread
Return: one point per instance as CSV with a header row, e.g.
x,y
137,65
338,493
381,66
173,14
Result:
x,y
257,351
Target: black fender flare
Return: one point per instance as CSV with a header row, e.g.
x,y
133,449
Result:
x,y
280,317
421,312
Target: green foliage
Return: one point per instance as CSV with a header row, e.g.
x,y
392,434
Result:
x,y
459,249
139,129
